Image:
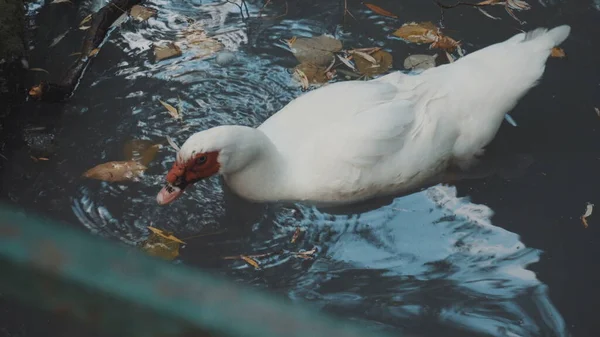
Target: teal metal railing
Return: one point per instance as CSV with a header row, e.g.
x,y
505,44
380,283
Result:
x,y
123,292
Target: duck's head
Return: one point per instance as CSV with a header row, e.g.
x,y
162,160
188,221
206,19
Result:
x,y
222,149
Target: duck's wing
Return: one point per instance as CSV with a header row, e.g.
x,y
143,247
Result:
x,y
366,138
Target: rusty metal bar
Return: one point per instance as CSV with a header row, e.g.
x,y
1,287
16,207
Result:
x,y
117,289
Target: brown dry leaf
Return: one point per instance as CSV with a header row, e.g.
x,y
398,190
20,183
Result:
x,y
363,55
165,234
558,52
307,254
171,109
301,76
589,207
309,73
40,69
161,245
380,11
296,235
116,171
86,20
250,261
140,150
383,63
426,32
36,91
94,52
317,50
418,61
195,38
142,13
169,50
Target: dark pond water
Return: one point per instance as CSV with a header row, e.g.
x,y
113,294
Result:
x,y
500,254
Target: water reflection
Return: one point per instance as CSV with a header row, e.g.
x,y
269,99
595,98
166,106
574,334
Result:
x,y
428,264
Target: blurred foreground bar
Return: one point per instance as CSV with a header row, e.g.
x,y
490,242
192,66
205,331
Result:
x,y
120,291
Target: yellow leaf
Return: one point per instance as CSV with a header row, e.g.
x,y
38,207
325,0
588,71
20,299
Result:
x,y
250,261
116,171
85,20
380,11
167,51
94,52
558,52
317,50
142,13
171,109
161,245
364,55
140,150
166,235
383,62
85,27
426,32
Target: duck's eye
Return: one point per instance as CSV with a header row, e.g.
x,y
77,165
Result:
x,y
201,160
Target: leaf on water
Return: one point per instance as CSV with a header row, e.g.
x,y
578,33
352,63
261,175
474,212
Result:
x,y
426,32
171,109
558,52
60,1
140,150
161,244
173,144
165,234
597,111
363,55
484,12
518,5
383,63
40,69
116,171
39,158
142,13
94,52
419,61
84,27
58,39
318,50
301,76
250,261
380,11
166,51
346,61
296,235
195,38
308,73
85,20
309,254
588,211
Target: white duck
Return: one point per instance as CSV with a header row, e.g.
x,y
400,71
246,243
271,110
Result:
x,y
355,140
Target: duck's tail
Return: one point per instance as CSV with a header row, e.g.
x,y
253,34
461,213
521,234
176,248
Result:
x,y
551,38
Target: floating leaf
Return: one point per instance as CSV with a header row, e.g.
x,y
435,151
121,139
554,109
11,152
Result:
x,y
140,150
161,244
296,235
250,261
58,39
364,55
195,38
307,254
365,67
165,234
301,76
60,1
558,52
309,73
346,61
171,109
94,52
426,32
84,27
142,13
484,12
518,5
588,211
318,50
86,20
167,51
172,143
380,11
116,171
40,69
418,61
597,111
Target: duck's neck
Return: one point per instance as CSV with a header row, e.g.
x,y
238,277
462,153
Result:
x,y
255,169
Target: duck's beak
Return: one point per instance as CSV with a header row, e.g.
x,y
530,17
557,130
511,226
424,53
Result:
x,y
168,194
